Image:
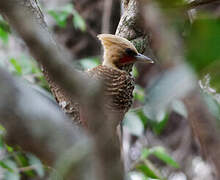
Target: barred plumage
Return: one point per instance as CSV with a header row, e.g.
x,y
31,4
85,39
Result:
x,y
119,86
119,57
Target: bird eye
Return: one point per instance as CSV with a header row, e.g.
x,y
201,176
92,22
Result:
x,y
130,52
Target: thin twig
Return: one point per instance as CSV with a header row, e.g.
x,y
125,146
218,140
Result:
x,y
28,168
195,4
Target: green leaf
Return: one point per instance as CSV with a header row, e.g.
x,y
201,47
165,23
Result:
x,y
203,43
11,176
4,36
161,154
2,130
9,148
159,124
28,65
167,87
79,22
28,68
16,65
2,143
4,30
170,4
59,17
139,93
68,9
21,159
89,63
213,105
135,72
5,166
9,165
149,170
4,25
133,123
138,175
22,162
203,52
179,107
145,153
38,166
142,116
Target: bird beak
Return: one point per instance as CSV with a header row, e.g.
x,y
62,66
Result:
x,y
141,58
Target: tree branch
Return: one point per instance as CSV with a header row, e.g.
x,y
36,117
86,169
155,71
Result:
x,y
106,20
38,126
130,26
197,3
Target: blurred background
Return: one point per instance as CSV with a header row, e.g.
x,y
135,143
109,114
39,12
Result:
x,y
159,141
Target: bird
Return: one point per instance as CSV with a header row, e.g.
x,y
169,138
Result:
x,y
115,72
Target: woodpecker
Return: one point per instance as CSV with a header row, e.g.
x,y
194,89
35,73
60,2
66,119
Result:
x,y
115,71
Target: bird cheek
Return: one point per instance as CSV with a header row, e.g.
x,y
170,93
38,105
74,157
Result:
x,y
126,59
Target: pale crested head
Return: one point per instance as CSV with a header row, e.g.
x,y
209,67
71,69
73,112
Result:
x,y
119,51
114,48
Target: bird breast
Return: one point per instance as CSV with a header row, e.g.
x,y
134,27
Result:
x,y
118,87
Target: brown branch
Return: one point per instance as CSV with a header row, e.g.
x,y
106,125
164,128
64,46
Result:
x,y
56,61
205,129
38,126
197,3
63,79
106,16
130,26
125,4
27,168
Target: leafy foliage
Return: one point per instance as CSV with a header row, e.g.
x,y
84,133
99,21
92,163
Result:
x,y
16,163
133,123
27,68
161,154
203,48
146,166
170,3
213,105
60,16
4,30
139,94
89,63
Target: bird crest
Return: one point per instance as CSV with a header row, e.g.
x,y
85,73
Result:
x,y
109,40
114,48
